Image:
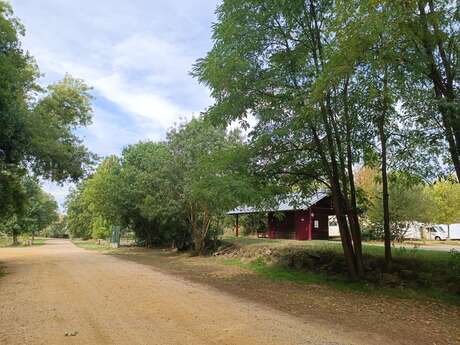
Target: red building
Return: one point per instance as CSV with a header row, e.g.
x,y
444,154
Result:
x,y
306,220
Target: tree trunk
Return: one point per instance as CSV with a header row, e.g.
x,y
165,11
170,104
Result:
x,y
352,208
385,196
345,237
339,204
448,231
15,237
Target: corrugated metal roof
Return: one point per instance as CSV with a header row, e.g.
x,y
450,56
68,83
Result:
x,y
291,203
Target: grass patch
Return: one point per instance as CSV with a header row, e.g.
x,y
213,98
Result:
x,y
5,241
91,245
416,273
277,273
39,242
8,241
254,242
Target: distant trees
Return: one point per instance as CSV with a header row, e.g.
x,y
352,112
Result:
x,y
38,211
173,192
408,202
57,229
411,200
445,203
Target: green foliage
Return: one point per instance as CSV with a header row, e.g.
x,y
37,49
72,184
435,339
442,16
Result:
x,y
37,212
253,223
91,207
57,229
79,217
60,155
210,165
174,192
101,228
410,201
445,197
37,124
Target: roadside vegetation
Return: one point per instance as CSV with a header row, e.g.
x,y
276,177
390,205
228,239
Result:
x,y
359,98
7,241
92,245
37,134
353,97
416,273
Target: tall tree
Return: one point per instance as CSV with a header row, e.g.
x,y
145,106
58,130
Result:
x,y
38,125
151,203
370,47
269,59
425,34
430,32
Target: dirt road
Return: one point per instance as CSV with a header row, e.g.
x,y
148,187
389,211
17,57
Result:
x,y
57,288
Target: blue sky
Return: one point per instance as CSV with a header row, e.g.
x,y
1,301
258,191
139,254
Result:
x,y
137,56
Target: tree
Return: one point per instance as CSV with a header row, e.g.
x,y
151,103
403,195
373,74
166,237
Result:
x,y
269,59
38,125
445,208
408,202
368,51
430,33
208,162
79,216
92,207
151,203
424,34
37,212
57,229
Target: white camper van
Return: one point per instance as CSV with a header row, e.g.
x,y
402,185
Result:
x,y
436,232
452,229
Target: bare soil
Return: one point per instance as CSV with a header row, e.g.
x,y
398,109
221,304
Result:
x,y
60,294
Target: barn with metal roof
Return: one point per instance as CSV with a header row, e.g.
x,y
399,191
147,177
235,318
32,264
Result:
x,y
293,217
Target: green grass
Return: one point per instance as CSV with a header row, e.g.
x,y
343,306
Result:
x,y
39,242
277,273
90,245
5,241
254,242
8,242
421,273
336,246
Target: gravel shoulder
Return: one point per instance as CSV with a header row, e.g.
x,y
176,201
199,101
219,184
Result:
x,y
60,294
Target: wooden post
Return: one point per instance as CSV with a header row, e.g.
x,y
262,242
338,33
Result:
x,y
237,229
309,225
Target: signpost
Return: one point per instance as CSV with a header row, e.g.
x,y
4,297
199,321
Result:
x,y
116,234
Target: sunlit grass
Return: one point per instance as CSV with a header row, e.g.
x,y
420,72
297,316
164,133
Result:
x,y
91,245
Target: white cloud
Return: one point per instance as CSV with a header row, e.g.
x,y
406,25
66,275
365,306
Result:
x,y
137,56
138,101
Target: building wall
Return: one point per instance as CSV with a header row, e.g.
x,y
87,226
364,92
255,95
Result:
x,y
295,225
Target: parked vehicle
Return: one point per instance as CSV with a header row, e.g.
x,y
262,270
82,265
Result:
x,y
436,232
452,229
